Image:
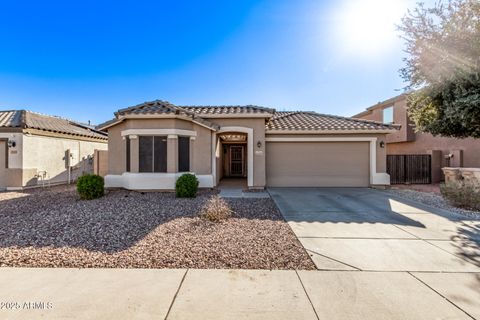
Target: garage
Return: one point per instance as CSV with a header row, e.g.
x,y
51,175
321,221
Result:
x,y
318,164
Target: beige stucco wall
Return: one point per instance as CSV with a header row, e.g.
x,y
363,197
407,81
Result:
x,y
45,153
400,117
116,150
200,147
258,126
15,153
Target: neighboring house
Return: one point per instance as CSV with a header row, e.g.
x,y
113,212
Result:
x,y
36,149
444,152
152,144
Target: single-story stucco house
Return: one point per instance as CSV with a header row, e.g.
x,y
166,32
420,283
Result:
x,y
150,145
37,149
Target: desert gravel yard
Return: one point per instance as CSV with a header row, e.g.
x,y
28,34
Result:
x,y
53,228
432,199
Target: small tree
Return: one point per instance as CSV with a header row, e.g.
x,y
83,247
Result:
x,y
443,65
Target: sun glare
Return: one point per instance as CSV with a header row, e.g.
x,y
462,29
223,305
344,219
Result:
x,y
367,27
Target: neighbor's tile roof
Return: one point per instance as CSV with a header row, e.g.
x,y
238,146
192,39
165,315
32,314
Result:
x,y
11,118
28,119
305,121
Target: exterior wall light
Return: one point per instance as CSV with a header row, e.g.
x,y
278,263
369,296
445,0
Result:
x,y
382,144
259,144
12,144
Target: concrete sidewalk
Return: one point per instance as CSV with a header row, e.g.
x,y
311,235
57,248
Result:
x,y
235,294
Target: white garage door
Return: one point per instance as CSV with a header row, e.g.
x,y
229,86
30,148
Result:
x,y
317,164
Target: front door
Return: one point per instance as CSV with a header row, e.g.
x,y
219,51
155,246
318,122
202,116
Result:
x,y
236,161
3,163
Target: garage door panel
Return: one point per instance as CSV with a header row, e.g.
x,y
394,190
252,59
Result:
x,y
317,164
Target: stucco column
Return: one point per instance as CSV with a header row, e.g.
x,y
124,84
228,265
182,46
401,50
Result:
x,y
172,153
192,161
134,153
436,163
457,160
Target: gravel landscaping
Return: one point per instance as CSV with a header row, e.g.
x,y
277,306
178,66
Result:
x,y
432,199
126,229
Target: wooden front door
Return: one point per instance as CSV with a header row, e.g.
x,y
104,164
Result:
x,y
236,161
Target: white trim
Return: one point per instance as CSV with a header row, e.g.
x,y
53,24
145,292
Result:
x,y
376,178
172,136
159,132
152,181
250,153
358,131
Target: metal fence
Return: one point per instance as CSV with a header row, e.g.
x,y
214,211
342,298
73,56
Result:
x,y
409,168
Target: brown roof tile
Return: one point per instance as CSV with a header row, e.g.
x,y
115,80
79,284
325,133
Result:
x,y
312,121
284,120
165,107
32,120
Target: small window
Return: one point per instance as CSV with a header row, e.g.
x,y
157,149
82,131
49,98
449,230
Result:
x,y
127,153
152,154
388,115
183,154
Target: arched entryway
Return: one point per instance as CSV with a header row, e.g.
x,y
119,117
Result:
x,y
234,154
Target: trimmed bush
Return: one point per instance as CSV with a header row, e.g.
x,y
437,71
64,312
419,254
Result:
x,y
216,209
461,195
186,186
90,186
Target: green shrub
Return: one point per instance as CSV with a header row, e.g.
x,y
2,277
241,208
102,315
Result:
x,y
90,186
216,209
461,195
186,186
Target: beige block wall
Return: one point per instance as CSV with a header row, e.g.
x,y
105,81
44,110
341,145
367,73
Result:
x,y
100,162
44,153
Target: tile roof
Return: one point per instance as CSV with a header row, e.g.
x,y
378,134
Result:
x,y
11,118
165,107
27,119
312,121
229,110
275,121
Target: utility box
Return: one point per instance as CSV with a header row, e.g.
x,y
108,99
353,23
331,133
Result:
x,y
71,158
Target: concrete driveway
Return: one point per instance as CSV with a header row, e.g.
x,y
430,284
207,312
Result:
x,y
369,230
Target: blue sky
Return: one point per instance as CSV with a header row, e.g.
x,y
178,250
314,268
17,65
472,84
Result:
x,y
86,59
